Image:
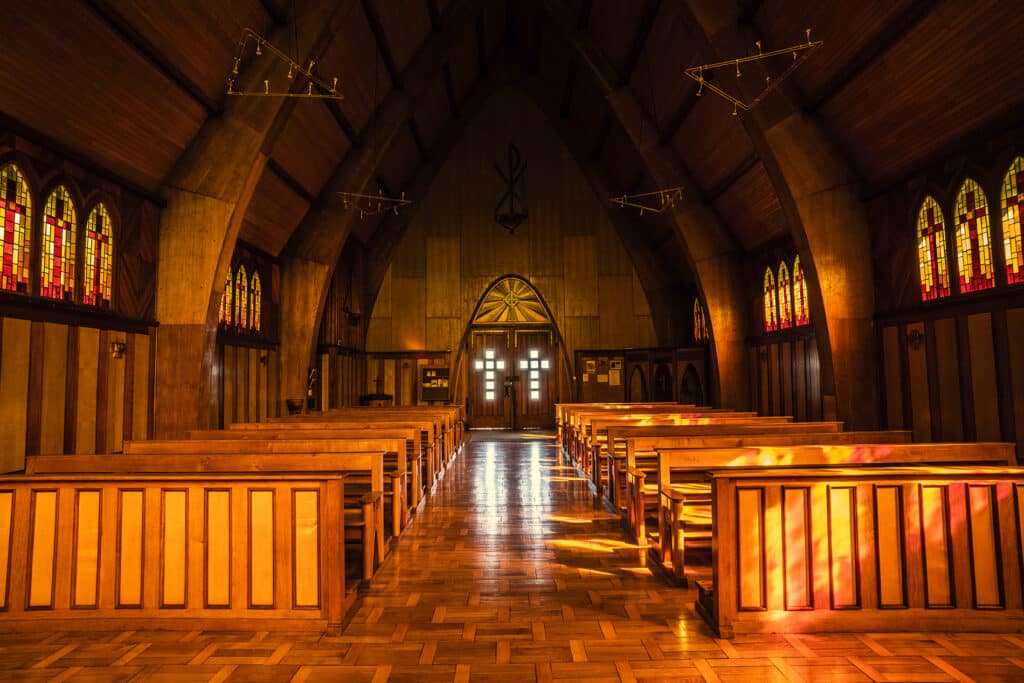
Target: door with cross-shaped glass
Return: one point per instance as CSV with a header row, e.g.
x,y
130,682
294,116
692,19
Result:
x,y
510,379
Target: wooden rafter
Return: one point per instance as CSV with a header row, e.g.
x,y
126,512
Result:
x,y
289,180
145,49
565,109
417,137
380,38
597,151
636,48
346,126
730,179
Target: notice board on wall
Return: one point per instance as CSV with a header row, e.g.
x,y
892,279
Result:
x,y
434,383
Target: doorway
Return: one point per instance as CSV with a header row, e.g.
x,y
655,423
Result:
x,y
512,364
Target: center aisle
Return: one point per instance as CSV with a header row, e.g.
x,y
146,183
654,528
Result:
x,y
509,572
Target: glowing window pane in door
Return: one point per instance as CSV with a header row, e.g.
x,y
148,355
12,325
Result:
x,y
534,353
489,365
534,395
489,386
479,365
534,386
488,395
534,374
500,364
489,353
534,364
489,374
545,364
523,364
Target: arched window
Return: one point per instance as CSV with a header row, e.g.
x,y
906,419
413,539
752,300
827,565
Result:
x,y
226,301
800,313
256,303
771,316
15,229
973,239
700,323
931,251
241,300
785,297
99,258
1011,208
57,265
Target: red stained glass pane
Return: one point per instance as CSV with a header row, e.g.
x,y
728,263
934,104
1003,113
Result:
x,y
801,314
931,251
241,300
973,239
15,229
1011,206
785,297
771,316
57,261
226,307
256,303
98,277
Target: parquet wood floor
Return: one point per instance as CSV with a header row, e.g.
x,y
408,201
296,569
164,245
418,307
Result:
x,y
510,574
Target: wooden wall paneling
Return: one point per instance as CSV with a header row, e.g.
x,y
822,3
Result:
x,y
128,388
325,381
1004,375
917,363
261,548
253,377
815,406
71,390
141,381
893,377
36,367
117,371
55,371
932,362
174,535
764,380
800,379
1015,333
87,391
229,374
408,324
43,549
983,377
786,377
443,277
262,395
947,372
242,377
14,373
580,276
963,345
217,569
85,582
616,310
774,392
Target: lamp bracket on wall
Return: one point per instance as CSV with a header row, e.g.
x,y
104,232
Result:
x,y
915,339
653,202
800,52
373,204
316,88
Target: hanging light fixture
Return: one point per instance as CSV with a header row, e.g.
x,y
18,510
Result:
x,y
373,204
316,88
652,202
702,73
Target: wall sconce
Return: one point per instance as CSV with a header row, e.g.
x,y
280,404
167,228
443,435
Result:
x,y
264,358
117,349
915,338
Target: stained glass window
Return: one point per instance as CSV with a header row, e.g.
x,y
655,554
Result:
x,y
931,251
57,264
1012,208
99,258
256,302
700,323
785,297
771,316
15,226
241,300
226,302
800,313
973,239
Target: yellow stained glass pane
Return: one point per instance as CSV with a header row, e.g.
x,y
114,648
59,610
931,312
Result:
x,y
57,260
931,251
15,229
973,239
1011,205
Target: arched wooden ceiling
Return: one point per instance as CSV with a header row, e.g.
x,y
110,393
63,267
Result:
x,y
125,86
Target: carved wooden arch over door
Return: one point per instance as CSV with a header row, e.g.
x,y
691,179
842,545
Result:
x,y
513,360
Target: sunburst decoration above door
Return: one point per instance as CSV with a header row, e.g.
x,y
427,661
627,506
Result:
x,y
511,300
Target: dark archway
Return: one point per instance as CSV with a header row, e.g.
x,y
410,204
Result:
x,y
662,389
691,390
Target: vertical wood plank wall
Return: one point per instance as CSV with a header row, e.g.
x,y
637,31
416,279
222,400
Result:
x,y
62,392
785,378
245,385
453,249
951,382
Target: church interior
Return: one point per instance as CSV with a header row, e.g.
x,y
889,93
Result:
x,y
470,340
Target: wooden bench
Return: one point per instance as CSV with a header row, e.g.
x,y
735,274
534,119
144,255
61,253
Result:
x,y
684,508
394,449
174,551
364,511
413,448
855,549
564,413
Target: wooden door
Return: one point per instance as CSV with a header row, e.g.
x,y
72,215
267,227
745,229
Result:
x,y
535,366
490,362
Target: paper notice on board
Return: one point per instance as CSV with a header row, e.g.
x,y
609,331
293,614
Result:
x,y
602,379
614,377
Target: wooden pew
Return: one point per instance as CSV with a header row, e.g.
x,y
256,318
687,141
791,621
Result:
x,y
413,448
394,449
448,419
684,507
363,515
564,413
173,551
855,549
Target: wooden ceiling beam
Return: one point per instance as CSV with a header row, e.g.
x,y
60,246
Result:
x,y
730,179
748,10
481,46
565,109
380,38
449,87
636,48
597,151
897,27
289,180
278,17
342,120
145,49
583,22
435,15
414,130
679,117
